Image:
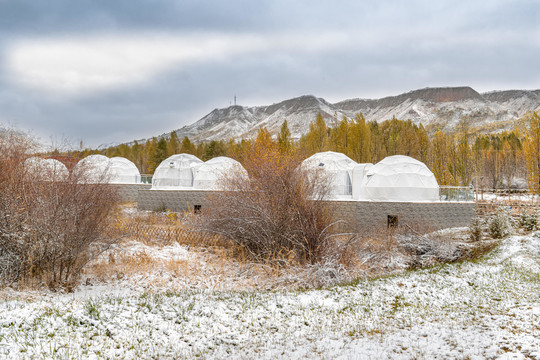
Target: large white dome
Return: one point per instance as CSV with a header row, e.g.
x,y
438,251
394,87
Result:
x,y
209,174
123,171
337,166
176,171
46,169
399,178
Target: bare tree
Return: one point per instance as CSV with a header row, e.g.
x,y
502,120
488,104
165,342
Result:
x,y
277,213
48,229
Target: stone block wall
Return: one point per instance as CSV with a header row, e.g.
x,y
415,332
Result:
x,y
358,216
370,216
174,200
129,192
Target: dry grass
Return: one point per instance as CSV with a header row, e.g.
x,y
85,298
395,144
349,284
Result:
x,y
160,249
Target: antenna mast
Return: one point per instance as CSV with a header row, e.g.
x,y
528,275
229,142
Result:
x,y
234,99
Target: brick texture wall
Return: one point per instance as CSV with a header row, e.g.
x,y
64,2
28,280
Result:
x,y
129,192
368,216
357,216
174,200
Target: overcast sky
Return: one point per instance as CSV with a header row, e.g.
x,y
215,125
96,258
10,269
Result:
x,y
105,71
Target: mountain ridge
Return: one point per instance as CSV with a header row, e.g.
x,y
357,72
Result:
x,y
436,107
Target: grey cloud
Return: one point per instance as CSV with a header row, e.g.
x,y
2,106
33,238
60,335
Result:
x,y
395,46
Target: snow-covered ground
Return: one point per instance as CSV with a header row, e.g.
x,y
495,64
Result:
x,y
502,198
486,309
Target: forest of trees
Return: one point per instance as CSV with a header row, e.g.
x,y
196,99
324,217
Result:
x,y
489,161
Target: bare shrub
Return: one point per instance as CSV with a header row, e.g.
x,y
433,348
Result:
x,y
48,229
276,214
443,246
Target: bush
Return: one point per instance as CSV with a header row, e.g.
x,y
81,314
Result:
x,y
475,229
48,229
529,221
277,214
500,224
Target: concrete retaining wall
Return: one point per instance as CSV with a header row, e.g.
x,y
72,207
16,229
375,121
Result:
x,y
174,200
358,216
369,216
129,192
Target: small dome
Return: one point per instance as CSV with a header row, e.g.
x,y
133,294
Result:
x,y
337,166
399,178
123,171
93,169
209,174
176,171
46,169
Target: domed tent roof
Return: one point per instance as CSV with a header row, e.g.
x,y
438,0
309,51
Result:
x,y
46,169
208,175
358,174
337,166
175,172
399,178
123,171
94,169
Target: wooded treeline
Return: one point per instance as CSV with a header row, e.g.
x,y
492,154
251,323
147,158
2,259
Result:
x,y
461,158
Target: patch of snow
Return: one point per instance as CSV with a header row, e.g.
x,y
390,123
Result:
x,y
477,310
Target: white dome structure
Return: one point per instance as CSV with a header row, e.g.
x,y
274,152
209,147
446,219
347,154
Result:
x,y
177,171
209,174
358,174
399,178
337,166
46,169
123,171
96,169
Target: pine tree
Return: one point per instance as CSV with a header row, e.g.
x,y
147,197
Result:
x,y
463,161
424,144
264,140
158,154
172,146
187,147
149,149
360,140
136,155
532,152
316,140
284,140
440,159
213,149
378,148
339,137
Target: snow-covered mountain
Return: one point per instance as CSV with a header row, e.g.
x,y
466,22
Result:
x,y
435,108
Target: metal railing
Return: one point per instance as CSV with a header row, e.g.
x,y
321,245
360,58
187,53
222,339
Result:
x,y
146,179
456,193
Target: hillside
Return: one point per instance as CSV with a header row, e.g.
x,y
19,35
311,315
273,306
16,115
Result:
x,y
435,108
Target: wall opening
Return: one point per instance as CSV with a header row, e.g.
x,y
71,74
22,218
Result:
x,y
392,221
197,209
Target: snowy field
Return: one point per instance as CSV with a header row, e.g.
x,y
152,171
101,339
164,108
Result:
x,y
486,309
503,198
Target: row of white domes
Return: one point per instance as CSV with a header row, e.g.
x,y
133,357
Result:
x,y
97,168
176,172
395,178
